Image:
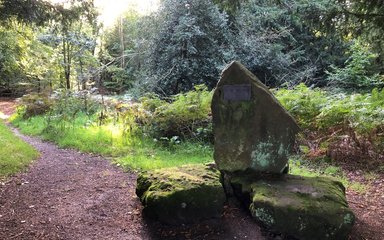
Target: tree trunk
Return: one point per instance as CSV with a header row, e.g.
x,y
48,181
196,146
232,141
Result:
x,y
66,63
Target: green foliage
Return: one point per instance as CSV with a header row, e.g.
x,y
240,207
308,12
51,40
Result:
x,y
116,79
303,103
15,155
284,42
150,156
66,105
32,11
34,104
364,19
188,48
10,51
186,116
122,52
359,70
129,150
358,116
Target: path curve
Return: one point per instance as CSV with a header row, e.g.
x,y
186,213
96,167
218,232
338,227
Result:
x,y
66,194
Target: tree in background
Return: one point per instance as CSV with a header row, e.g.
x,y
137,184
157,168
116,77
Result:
x,y
37,12
121,52
364,19
285,42
69,27
34,36
189,47
360,71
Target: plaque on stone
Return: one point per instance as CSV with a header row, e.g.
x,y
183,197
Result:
x,y
240,92
251,128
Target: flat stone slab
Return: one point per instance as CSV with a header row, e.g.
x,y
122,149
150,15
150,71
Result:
x,y
251,129
302,207
179,195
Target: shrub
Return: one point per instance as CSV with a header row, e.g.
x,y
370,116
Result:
x,y
34,104
67,105
304,103
359,72
184,116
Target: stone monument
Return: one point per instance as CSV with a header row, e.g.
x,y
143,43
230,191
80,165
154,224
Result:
x,y
254,136
252,130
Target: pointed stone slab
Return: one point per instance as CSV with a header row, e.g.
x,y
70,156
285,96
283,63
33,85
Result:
x,y
251,129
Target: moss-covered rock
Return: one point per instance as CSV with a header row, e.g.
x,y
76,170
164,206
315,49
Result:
x,y
251,128
181,195
302,207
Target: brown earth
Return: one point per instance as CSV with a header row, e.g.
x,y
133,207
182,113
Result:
x,y
7,107
66,194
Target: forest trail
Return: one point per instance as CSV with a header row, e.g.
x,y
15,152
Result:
x,y
66,194
70,195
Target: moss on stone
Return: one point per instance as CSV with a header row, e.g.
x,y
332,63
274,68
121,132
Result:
x,y
306,208
181,195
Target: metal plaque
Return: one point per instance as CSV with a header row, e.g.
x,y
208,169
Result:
x,y
237,92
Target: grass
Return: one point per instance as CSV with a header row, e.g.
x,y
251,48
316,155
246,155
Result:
x,y
15,154
152,157
130,152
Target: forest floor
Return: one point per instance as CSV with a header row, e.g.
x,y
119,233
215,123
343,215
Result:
x,y
66,194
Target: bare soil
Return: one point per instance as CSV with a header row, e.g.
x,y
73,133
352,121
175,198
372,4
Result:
x,y
7,107
66,194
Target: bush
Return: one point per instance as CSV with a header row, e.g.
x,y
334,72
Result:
x,y
34,104
352,124
303,103
66,104
359,72
185,116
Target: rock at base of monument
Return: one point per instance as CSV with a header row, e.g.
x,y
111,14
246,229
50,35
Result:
x,y
185,194
301,207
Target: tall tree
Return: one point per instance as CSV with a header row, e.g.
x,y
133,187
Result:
x,y
68,27
286,41
364,18
27,11
189,47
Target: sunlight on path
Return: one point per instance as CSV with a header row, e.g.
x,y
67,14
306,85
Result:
x,y
3,116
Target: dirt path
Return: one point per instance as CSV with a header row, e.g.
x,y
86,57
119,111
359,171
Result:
x,y
70,195
7,107
368,207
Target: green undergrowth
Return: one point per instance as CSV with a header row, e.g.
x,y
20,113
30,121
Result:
x,y
128,151
155,133
15,154
143,153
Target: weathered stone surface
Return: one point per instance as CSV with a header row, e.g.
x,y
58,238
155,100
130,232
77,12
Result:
x,y
181,195
252,130
302,207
